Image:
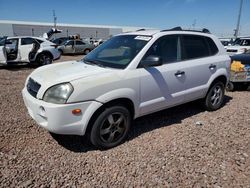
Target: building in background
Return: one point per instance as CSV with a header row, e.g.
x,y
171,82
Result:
x,y
23,28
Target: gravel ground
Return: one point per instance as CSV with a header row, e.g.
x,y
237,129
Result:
x,y
183,146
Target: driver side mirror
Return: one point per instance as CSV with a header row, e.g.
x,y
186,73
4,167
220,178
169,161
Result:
x,y
151,61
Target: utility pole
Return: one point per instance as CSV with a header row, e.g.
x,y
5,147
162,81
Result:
x,y
194,24
238,22
55,18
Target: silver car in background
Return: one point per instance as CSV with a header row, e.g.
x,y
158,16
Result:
x,y
75,47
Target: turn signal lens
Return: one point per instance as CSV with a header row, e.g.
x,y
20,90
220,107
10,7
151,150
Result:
x,y
76,111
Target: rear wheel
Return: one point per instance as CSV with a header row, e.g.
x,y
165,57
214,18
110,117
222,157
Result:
x,y
111,127
215,96
86,51
230,86
44,59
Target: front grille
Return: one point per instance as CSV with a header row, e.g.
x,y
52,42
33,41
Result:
x,y
231,50
33,87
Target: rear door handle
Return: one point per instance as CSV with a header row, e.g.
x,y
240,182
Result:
x,y
179,73
212,66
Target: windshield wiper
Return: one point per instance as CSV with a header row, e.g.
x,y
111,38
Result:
x,y
93,62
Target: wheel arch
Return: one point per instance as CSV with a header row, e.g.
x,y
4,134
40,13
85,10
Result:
x,y
45,52
125,102
220,75
84,51
221,78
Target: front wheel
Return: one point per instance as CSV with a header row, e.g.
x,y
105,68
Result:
x,y
215,96
111,127
230,86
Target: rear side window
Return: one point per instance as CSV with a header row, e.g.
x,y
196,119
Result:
x,y
194,47
79,43
212,46
26,41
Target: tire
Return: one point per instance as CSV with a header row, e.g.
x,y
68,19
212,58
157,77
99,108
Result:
x,y
215,96
111,127
44,59
230,86
86,51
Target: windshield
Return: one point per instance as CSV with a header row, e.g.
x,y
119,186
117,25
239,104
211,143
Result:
x,y
118,51
242,42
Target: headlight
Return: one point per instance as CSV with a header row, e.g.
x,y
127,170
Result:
x,y
58,94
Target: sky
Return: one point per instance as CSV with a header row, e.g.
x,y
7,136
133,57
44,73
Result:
x,y
219,16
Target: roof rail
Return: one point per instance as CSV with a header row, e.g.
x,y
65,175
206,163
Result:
x,y
173,29
204,30
141,29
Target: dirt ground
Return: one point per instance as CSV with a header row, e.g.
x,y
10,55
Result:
x,y
183,146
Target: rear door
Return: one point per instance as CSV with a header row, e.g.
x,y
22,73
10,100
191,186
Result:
x,y
79,46
26,47
199,64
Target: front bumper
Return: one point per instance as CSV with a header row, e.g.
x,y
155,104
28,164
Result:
x,y
58,118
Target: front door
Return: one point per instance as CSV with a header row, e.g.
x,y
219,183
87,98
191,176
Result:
x,y
162,86
69,47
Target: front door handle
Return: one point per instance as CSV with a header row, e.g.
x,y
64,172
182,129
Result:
x,y
179,73
212,66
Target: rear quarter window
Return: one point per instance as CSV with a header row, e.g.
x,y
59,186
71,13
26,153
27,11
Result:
x,y
212,46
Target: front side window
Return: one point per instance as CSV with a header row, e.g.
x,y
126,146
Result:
x,y
117,52
69,43
166,48
11,43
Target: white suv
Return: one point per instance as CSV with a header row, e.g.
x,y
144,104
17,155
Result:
x,y
28,49
239,46
130,75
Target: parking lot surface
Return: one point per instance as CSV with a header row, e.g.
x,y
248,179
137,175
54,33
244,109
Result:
x,y
183,146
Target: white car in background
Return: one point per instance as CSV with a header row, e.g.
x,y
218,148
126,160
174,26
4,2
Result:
x,y
239,46
28,49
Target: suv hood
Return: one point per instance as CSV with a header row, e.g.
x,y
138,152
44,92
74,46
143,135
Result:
x,y
65,72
